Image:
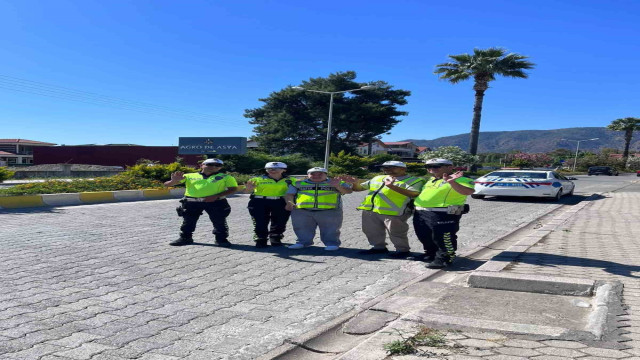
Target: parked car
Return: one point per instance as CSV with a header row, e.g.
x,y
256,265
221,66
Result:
x,y
536,183
638,173
602,170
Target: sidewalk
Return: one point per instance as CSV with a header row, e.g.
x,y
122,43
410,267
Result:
x,y
578,279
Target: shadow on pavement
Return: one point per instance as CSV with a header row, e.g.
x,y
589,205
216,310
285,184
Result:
x,y
566,200
316,251
33,210
552,260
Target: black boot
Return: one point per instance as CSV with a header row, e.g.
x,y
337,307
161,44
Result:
x,y
438,264
182,240
223,243
261,243
275,241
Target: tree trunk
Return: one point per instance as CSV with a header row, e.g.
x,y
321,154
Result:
x,y
475,123
628,134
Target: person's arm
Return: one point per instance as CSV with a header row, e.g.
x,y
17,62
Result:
x,y
290,198
249,186
355,183
176,178
339,186
460,189
405,192
231,185
229,191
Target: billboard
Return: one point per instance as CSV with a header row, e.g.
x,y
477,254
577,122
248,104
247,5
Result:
x,y
212,145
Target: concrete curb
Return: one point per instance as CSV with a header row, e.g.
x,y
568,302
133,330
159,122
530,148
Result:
x,y
28,201
531,283
299,341
504,259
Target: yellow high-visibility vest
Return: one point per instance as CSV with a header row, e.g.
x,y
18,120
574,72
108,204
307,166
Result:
x,y
266,186
385,201
319,196
197,186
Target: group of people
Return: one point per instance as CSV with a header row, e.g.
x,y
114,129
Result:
x,y
314,203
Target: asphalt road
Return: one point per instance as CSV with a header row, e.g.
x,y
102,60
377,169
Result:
x,y
100,281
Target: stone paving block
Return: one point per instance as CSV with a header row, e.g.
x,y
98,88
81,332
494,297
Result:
x,y
75,340
154,356
516,351
478,343
505,357
604,353
180,348
34,352
519,343
562,352
564,344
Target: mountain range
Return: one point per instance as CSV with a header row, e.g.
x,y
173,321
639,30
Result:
x,y
538,141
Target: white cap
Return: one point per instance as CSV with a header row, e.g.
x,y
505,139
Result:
x,y
394,163
438,162
213,161
317,169
275,165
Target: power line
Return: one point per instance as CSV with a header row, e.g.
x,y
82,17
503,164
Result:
x,y
42,89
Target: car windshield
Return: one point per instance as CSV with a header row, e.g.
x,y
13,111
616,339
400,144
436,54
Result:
x,y
599,167
513,174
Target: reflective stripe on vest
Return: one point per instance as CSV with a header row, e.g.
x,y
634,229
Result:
x,y
316,195
385,201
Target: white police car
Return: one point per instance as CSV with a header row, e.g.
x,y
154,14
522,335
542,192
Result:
x,y
536,183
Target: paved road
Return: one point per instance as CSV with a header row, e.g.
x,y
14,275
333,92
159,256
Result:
x,y
99,281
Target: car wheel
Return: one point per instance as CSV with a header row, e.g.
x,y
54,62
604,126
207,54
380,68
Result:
x,y
558,195
589,174
474,196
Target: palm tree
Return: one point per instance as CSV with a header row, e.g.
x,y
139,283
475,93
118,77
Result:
x,y
483,65
628,125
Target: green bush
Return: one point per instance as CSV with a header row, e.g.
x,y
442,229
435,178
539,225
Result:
x,y
253,162
112,183
344,163
417,169
5,174
240,178
152,170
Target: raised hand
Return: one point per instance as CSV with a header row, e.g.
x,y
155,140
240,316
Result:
x,y
177,176
389,180
334,182
452,177
347,179
250,186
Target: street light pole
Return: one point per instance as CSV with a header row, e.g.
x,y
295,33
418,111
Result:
x,y
575,159
328,142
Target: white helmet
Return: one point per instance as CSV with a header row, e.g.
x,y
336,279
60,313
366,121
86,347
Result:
x,y
317,169
275,165
213,161
441,162
394,164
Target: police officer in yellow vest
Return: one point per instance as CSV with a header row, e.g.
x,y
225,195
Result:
x,y
439,208
317,205
206,191
387,208
267,204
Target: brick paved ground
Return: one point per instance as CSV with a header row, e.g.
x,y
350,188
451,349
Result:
x,y
100,282
600,242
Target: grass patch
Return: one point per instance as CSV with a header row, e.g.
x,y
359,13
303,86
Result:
x,y
408,345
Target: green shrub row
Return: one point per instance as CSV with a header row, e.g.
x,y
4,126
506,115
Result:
x,y
112,183
5,174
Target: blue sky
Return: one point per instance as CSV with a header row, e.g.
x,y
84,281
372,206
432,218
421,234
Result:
x,y
196,65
